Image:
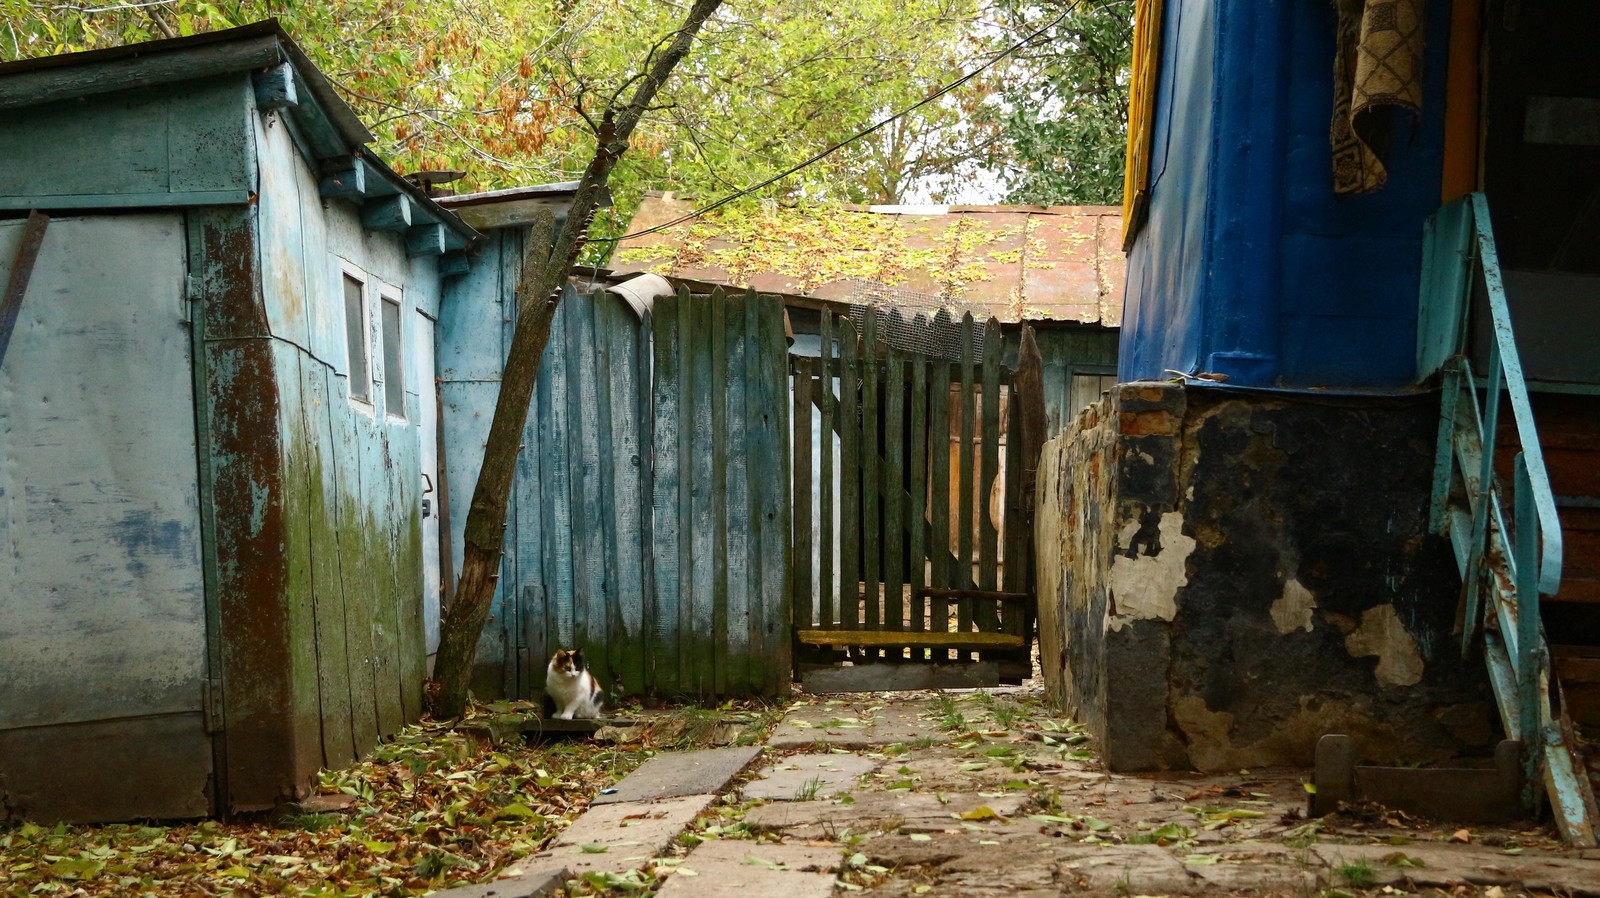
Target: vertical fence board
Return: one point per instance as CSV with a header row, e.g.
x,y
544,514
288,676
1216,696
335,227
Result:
x,y
871,525
643,349
582,459
605,621
695,641
769,618
720,384
849,479
825,494
803,522
669,544
919,492
560,582
1014,566
988,534
940,573
966,518
892,481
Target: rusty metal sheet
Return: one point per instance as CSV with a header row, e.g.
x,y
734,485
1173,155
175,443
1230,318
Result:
x,y
1069,267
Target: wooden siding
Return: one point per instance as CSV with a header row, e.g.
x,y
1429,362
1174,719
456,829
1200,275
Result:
x,y
102,627
176,145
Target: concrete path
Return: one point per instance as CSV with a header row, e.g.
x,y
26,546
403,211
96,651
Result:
x,y
986,794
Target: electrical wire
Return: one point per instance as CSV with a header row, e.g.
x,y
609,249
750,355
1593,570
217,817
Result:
x,y
690,216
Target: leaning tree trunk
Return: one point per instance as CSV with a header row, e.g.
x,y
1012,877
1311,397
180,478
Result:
x,y
538,296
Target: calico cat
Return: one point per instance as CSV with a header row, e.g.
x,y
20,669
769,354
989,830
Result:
x,y
574,690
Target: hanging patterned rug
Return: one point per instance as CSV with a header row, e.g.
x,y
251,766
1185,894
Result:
x,y
1377,74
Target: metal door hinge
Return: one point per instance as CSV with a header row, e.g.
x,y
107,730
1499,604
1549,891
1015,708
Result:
x,y
211,704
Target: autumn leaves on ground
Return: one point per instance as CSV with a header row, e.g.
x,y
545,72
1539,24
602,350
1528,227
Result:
x,y
428,810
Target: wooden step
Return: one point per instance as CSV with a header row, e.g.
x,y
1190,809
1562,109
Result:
x,y
902,639
1578,669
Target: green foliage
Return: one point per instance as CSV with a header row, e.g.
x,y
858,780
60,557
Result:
x,y
1064,106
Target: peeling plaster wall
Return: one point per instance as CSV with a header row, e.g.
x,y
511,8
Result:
x,y
1227,576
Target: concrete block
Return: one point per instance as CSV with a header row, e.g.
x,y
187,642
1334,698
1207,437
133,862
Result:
x,y
737,868
682,773
794,778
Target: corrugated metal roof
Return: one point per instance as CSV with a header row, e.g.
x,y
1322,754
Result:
x,y
1017,263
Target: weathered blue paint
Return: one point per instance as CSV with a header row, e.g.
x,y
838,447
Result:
x,y
224,545
99,530
1504,576
1248,265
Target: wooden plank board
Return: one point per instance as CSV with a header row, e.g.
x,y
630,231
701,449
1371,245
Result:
x,y
939,568
669,540
333,663
965,519
1014,566
988,534
720,438
894,496
695,641
892,639
560,580
871,524
916,552
611,466
803,521
825,492
584,535
645,471
769,619
849,478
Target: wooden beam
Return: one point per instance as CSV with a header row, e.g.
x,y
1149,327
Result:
x,y
348,184
275,87
981,594
390,214
452,264
21,271
425,239
48,83
893,639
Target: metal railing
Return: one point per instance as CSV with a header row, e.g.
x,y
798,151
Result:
x,y
1506,566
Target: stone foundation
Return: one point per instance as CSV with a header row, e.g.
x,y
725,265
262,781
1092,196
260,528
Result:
x,y
1226,576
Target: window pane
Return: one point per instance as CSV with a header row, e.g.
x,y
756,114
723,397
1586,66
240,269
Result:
x,y
394,384
355,334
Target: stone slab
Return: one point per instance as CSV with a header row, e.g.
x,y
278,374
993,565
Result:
x,y
1123,869
903,811
900,677
1447,864
615,838
671,774
807,777
738,868
856,725
531,884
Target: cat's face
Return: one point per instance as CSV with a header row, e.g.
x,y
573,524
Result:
x,y
566,662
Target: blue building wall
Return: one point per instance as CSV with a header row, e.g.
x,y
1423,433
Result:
x,y
1247,264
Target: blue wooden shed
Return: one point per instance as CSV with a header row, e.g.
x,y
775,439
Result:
x,y
217,430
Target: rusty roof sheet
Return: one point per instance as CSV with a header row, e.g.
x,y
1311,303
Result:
x,y
1016,263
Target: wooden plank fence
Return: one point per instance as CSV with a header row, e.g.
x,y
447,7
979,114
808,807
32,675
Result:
x,y
888,442
650,518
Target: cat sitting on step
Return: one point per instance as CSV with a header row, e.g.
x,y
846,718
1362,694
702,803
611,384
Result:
x,y
574,690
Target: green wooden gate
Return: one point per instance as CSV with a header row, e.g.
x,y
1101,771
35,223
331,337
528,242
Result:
x,y
911,536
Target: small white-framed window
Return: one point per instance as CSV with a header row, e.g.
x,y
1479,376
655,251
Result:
x,y
392,334
357,336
